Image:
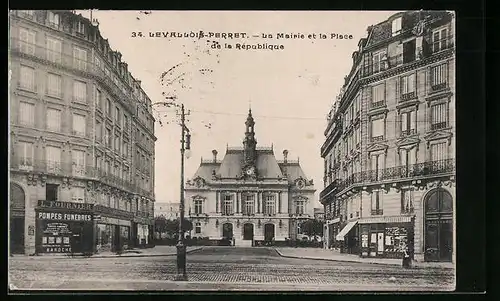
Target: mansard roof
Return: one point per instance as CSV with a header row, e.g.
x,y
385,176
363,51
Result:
x,y
268,167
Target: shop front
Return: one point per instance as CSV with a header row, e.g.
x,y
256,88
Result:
x,y
386,237
332,229
143,229
347,238
64,227
113,229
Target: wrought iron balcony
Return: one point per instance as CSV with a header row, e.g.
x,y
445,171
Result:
x,y
438,126
377,138
408,132
70,169
425,169
439,87
378,104
408,96
51,56
332,187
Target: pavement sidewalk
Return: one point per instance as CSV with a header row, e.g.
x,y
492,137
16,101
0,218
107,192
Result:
x,y
333,255
147,252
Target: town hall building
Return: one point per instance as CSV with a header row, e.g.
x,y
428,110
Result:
x,y
249,196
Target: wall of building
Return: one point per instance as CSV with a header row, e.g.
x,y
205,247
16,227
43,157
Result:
x,y
123,183
392,143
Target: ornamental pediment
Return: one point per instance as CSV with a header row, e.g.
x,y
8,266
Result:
x,y
198,197
406,141
198,182
300,182
377,147
438,135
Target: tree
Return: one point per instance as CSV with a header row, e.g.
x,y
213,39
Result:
x,y
172,226
312,228
160,225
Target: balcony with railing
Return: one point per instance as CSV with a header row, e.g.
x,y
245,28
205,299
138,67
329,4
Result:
x,y
407,96
60,59
407,132
70,169
377,104
397,173
424,52
439,125
377,138
439,87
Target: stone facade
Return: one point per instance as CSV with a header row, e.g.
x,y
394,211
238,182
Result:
x,y
390,142
249,195
168,210
81,127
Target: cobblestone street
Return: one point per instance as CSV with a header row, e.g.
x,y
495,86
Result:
x,y
224,268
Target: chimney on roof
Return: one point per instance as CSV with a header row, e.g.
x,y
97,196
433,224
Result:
x,y
285,155
355,57
214,152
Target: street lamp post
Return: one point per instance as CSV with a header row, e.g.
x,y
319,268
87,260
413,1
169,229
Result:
x,y
181,247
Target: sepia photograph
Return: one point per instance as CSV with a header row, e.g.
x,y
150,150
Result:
x,y
232,151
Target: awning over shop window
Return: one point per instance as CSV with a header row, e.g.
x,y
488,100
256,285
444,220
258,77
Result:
x,y
346,230
385,220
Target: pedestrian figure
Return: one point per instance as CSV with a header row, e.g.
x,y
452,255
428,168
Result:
x,y
406,259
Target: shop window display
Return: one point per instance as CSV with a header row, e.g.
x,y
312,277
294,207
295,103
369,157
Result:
x,y
124,233
105,237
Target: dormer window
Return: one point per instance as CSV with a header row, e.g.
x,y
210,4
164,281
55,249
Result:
x,y
80,27
379,60
53,19
396,26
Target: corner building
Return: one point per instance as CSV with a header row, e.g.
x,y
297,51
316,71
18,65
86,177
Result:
x,y
81,140
389,153
249,196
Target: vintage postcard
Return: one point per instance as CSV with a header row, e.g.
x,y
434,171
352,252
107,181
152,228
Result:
x,y
232,150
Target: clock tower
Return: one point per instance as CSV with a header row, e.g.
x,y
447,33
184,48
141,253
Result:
x,y
249,147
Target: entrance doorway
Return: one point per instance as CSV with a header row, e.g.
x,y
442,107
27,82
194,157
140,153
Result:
x,y
268,232
438,226
248,232
17,207
51,192
227,231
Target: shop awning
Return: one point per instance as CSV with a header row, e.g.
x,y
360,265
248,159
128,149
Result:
x,y
385,219
346,230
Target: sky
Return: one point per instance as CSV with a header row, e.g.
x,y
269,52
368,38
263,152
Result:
x,y
290,90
